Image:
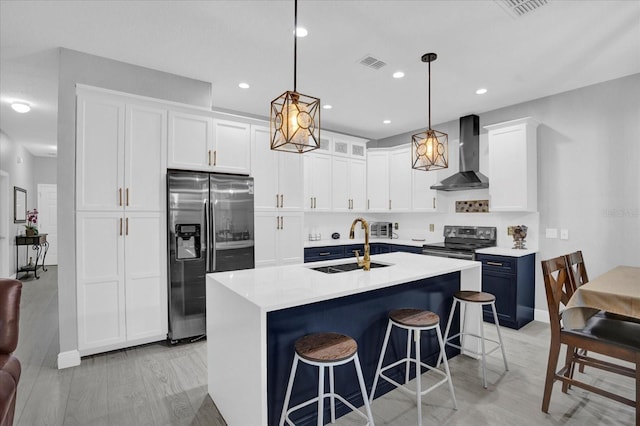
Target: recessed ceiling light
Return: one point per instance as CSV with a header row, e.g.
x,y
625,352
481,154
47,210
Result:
x,y
327,106
301,32
398,74
244,85
481,91
386,121
20,107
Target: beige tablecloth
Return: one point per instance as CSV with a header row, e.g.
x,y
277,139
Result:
x,y
616,291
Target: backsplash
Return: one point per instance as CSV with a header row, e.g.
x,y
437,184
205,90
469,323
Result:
x,y
472,206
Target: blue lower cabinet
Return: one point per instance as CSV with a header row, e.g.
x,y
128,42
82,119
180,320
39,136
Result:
x,y
405,249
314,254
512,281
379,248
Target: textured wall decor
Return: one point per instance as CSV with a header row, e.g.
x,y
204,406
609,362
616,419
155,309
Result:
x,y
472,206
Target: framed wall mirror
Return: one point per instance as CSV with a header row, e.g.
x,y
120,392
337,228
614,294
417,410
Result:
x,y
19,205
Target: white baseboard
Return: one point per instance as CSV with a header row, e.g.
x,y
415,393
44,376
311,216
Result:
x,y
541,315
68,359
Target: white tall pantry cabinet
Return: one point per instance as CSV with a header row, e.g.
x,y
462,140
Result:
x,y
121,148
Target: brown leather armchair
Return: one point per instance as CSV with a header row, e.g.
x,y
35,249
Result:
x,y
10,292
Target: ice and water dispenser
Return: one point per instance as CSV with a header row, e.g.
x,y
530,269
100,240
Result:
x,y
188,241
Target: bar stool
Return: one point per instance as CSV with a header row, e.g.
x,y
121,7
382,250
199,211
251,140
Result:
x,y
414,321
475,298
325,350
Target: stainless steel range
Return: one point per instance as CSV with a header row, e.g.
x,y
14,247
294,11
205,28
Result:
x,y
461,242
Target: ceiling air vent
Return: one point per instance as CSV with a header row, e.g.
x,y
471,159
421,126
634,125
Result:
x,y
371,62
519,8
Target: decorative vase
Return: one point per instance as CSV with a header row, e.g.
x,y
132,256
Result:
x,y
30,232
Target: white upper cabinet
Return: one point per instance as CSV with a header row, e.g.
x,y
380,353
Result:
x,y
120,154
278,238
232,152
423,198
99,152
513,166
144,158
191,144
317,182
197,141
277,175
378,180
400,179
349,174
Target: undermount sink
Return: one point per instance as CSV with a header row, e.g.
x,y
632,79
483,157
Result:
x,y
346,267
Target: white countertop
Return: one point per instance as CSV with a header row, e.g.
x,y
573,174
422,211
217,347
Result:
x,y
280,287
506,251
347,241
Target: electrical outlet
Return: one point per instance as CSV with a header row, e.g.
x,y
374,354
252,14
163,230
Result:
x,y
432,227
395,226
551,233
510,230
564,234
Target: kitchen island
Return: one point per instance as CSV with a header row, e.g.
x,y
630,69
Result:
x,y
254,317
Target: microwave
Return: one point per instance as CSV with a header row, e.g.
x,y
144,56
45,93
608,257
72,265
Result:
x,y
381,229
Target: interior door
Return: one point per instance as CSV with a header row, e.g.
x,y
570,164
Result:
x,y
48,219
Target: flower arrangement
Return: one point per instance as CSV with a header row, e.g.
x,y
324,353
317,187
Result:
x,y
32,222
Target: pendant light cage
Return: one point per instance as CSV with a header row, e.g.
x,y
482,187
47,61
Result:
x,y
430,149
295,123
294,117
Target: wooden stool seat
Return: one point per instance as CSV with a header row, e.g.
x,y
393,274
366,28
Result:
x,y
326,347
414,317
474,296
326,351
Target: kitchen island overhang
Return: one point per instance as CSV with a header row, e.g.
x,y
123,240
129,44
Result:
x,y
255,316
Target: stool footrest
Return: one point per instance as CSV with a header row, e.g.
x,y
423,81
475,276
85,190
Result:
x,y
315,400
471,351
411,391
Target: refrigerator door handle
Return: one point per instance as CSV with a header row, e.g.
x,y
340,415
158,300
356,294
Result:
x,y
212,242
206,234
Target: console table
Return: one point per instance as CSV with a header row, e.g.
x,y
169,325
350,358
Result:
x,y
40,245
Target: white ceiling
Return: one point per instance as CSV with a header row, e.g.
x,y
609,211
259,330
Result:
x,y
561,46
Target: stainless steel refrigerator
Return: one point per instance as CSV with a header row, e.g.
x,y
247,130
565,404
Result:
x,y
210,229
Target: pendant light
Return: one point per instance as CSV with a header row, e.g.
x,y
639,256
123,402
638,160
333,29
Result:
x,y
430,148
295,118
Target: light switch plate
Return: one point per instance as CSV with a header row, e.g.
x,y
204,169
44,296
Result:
x,y
551,233
564,234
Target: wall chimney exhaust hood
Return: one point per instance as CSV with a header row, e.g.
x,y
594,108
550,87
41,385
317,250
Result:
x,y
469,176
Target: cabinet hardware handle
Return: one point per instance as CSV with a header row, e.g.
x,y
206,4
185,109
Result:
x,y
311,202
434,202
315,202
277,222
126,227
324,253
368,204
494,263
389,204
277,201
120,226
120,196
215,157
281,222
281,200
127,197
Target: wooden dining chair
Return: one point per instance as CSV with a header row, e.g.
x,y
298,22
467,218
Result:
x,y
578,276
615,338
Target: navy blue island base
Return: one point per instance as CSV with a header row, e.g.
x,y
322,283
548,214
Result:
x,y
362,316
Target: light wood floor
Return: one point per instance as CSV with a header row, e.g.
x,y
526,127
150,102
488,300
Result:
x,y
160,385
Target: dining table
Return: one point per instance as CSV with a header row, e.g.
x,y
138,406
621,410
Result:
x,y
617,291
